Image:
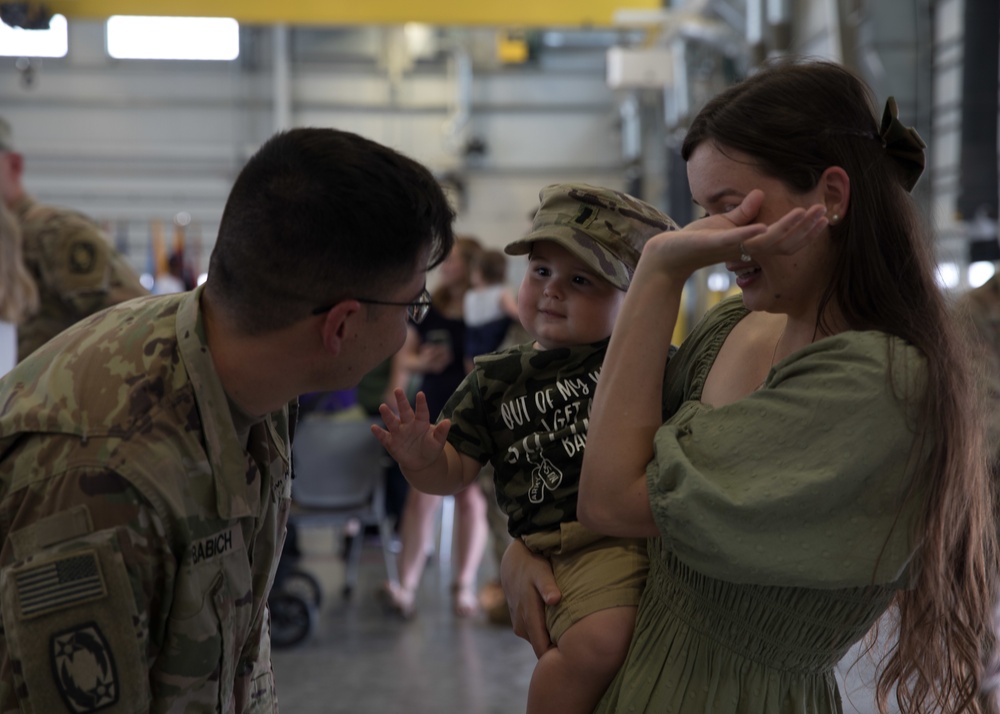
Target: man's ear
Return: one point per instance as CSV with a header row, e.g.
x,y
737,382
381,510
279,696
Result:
x,y
334,329
836,186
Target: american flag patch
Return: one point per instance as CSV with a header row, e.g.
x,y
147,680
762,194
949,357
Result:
x,y
59,584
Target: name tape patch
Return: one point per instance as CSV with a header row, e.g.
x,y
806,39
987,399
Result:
x,y
213,546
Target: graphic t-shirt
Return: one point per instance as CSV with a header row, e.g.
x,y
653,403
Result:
x,y
526,411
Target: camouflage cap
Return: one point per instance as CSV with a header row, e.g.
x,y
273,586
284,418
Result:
x,y
605,229
6,136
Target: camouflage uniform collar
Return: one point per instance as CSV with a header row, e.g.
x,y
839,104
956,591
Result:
x,y
226,455
22,206
243,421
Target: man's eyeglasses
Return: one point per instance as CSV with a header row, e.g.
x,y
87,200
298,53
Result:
x,y
416,310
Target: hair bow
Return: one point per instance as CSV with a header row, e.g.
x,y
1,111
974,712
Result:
x,y
903,144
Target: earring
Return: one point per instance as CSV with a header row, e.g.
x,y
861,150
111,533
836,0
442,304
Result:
x,y
834,219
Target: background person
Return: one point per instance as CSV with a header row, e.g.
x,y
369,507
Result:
x,y
144,476
76,269
981,306
822,459
435,351
490,306
375,388
491,323
174,280
18,292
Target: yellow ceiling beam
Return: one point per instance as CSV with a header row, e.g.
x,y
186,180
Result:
x,y
521,13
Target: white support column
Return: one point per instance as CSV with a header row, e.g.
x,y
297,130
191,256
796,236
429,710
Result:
x,y
282,80
831,9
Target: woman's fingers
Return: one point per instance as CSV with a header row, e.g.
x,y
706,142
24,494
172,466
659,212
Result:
x,y
747,211
705,242
790,232
731,236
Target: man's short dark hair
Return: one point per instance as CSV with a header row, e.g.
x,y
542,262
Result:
x,y
319,215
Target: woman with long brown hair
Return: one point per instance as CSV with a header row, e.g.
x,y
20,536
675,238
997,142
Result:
x,y
821,463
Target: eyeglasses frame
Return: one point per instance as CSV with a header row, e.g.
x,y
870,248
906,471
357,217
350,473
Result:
x,y
416,311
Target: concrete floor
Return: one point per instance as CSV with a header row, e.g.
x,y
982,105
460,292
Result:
x,y
361,660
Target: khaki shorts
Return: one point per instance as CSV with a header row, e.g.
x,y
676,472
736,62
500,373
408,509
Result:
x,y
594,572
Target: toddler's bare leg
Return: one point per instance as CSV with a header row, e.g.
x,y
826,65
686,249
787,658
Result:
x,y
573,676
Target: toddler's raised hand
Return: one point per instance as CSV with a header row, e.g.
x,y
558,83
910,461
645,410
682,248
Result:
x,y
409,437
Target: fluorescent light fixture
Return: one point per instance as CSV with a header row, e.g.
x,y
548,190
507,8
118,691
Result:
x,y
980,272
18,42
173,38
948,275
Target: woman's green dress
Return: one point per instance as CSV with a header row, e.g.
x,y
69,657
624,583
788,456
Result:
x,y
783,534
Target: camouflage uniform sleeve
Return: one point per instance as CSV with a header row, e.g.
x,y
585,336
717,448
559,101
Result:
x,y
85,583
982,307
83,268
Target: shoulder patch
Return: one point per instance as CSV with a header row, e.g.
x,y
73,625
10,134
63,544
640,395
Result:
x,y
73,631
58,584
84,669
82,257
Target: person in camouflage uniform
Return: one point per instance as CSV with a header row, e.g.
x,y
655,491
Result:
x,y
76,269
526,409
982,306
18,292
144,476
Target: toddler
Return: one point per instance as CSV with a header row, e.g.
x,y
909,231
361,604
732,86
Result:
x,y
526,411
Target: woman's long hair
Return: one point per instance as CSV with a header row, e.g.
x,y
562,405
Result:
x,y
795,119
18,291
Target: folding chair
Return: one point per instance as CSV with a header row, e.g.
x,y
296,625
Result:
x,y
339,475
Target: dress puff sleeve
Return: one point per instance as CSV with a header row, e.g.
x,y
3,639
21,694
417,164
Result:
x,y
804,482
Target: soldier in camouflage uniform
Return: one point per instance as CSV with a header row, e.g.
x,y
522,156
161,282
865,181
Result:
x,y
144,476
525,410
76,269
982,305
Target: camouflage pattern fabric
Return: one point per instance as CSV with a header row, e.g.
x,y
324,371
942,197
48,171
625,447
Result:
x,y
77,270
983,307
605,229
140,532
526,411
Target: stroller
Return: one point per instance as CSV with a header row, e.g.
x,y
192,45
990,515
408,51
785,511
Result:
x,y
339,476
295,598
